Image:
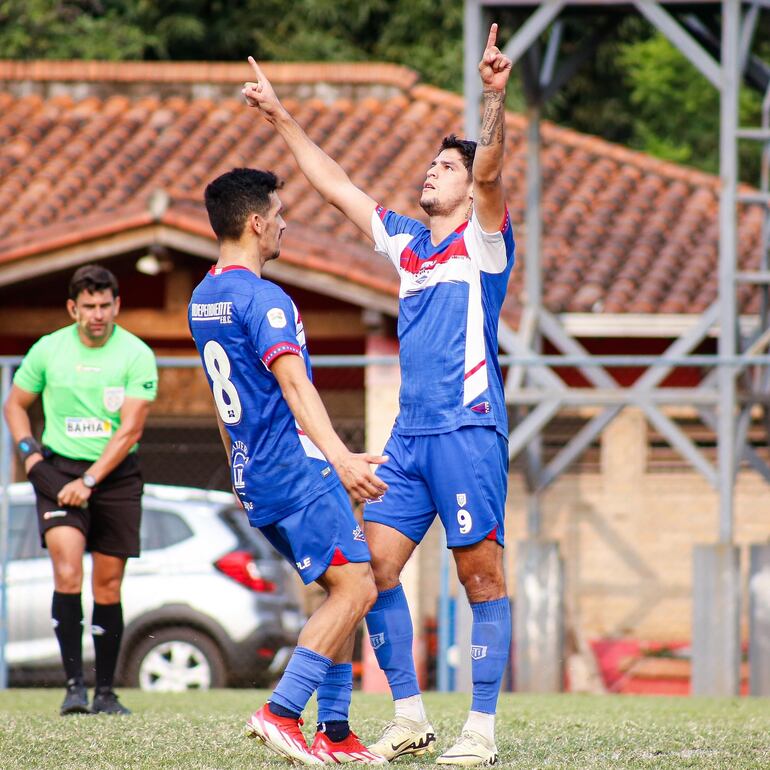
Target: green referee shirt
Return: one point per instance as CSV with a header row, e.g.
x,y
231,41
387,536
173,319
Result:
x,y
83,388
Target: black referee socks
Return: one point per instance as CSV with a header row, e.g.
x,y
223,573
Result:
x,y
67,615
107,631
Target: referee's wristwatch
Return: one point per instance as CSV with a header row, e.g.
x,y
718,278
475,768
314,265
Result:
x,y
89,482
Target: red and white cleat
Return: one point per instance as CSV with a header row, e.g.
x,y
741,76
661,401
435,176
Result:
x,y
282,735
349,750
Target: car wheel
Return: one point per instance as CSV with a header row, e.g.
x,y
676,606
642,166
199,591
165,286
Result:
x,y
174,660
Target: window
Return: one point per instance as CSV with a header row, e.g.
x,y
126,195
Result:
x,y
24,540
249,538
161,529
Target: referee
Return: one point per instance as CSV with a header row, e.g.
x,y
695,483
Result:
x,y
97,382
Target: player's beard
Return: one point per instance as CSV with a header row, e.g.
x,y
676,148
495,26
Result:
x,y
433,207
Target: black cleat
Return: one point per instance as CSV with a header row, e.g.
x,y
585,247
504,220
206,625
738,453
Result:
x,y
76,699
106,702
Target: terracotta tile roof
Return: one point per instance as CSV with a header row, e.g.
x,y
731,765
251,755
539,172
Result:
x,y
623,232
78,71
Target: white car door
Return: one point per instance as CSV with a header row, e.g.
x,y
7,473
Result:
x,y
30,588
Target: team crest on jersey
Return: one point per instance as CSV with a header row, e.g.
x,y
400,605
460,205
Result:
x,y
377,640
113,398
478,651
462,499
358,534
240,456
276,318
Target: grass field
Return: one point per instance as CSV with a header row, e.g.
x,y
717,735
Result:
x,y
204,730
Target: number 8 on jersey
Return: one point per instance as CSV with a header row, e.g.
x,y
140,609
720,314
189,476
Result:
x,y
225,394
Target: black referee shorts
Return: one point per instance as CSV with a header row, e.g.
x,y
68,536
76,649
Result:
x,y
110,520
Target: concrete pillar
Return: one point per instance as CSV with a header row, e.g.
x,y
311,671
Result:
x,y
179,287
539,618
759,620
624,453
716,634
463,624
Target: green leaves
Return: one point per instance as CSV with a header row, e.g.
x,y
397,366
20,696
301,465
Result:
x,y
676,109
45,29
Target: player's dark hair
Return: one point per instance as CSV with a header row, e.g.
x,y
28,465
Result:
x,y
466,148
92,278
234,196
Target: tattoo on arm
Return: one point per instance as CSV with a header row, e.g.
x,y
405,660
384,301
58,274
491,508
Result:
x,y
492,122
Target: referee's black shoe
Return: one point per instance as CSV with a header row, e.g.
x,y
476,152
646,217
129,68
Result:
x,y
76,699
106,702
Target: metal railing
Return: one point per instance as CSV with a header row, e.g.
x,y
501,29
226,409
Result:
x,y
9,363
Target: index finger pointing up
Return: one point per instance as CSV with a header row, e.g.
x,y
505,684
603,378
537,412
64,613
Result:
x,y
492,39
255,67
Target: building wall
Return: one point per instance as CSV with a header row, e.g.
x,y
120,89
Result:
x,y
626,532
626,536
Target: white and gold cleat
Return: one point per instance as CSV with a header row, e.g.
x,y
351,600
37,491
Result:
x,y
472,749
403,736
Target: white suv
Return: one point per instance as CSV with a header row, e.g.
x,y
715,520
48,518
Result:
x,y
208,604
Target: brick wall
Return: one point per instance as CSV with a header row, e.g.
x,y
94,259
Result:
x,y
626,536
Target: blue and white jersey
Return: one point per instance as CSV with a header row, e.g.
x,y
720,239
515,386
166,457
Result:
x,y
241,324
449,308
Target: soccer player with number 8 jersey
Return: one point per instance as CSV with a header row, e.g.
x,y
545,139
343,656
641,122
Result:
x,y
289,468
448,449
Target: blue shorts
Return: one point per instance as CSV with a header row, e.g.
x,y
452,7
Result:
x,y
318,535
461,475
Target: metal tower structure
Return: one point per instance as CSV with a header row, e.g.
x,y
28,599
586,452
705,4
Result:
x,y
739,379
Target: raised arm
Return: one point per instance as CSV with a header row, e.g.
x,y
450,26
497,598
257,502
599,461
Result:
x,y
488,194
324,173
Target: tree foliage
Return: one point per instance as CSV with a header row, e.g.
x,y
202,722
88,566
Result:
x,y
635,88
51,29
675,109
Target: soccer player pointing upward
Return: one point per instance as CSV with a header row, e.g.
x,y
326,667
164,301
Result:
x,y
448,449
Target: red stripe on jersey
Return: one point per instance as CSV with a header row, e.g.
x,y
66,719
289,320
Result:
x,y
475,369
381,212
338,559
492,535
278,350
506,223
414,264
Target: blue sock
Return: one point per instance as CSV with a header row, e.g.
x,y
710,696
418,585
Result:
x,y
335,692
390,632
490,649
303,675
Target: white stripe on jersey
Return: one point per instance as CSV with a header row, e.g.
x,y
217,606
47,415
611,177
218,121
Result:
x,y
475,348
311,450
455,270
487,250
389,246
300,327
